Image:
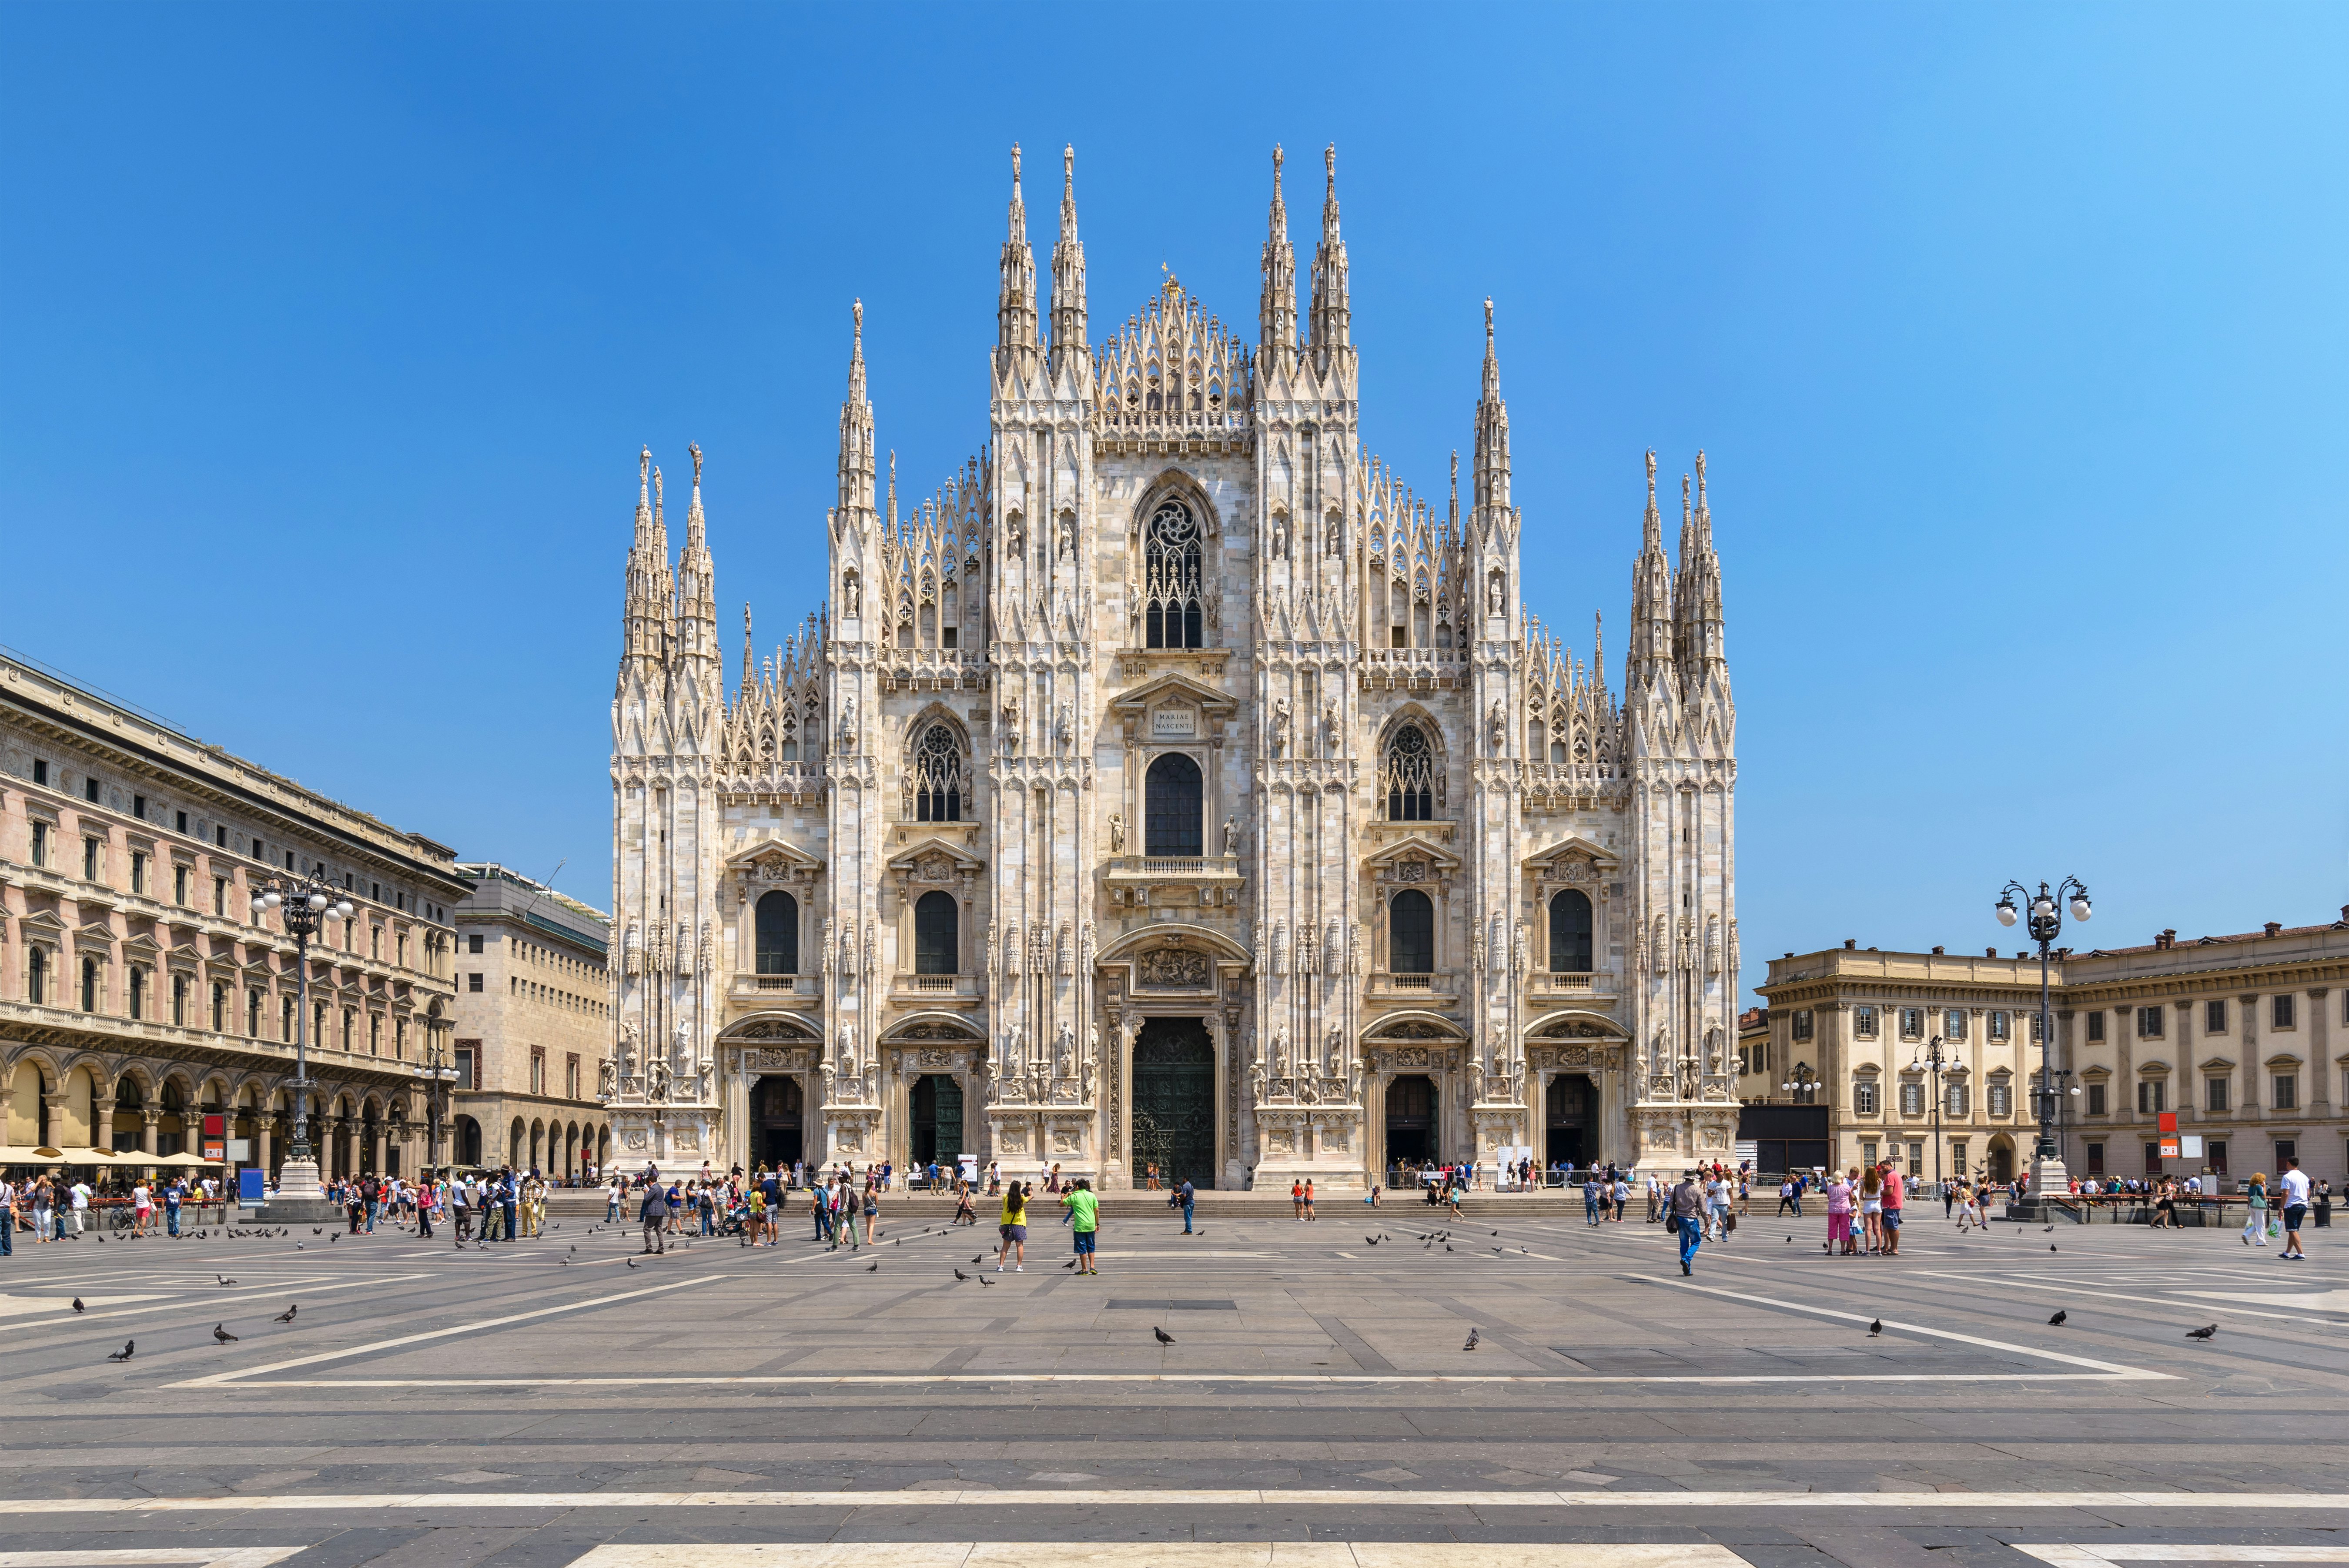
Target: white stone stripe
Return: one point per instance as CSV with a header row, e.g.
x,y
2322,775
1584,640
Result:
x,y
2104,1368
1161,1555
219,1378
1354,1498
2103,1556
924,1380
202,1556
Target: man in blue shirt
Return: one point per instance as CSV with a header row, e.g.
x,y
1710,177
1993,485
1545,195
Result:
x,y
508,1191
1186,1196
174,1195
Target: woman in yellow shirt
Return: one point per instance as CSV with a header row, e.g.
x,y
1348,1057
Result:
x,y
1014,1229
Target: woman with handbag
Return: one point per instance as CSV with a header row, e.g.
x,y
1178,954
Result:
x,y
2255,1199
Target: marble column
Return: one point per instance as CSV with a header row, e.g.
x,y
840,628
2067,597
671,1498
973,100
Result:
x,y
152,1122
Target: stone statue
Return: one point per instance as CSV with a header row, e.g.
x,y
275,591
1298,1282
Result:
x,y
1011,725
1329,726
656,1079
1333,1050
1064,1052
1116,833
851,598
682,1051
1279,535
1280,726
1280,1051
606,1077
1086,1097
1014,1052
1064,724
1354,1082
1497,597
1498,722
848,723
847,1052
1256,1078
1231,836
627,1048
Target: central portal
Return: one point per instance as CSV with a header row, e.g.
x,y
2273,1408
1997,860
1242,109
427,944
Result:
x,y
1567,1123
778,1109
1174,1102
938,1119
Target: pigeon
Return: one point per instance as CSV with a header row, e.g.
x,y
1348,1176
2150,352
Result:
x,y
1472,1339
2051,1246
335,1237
1496,1233
1371,1241
981,1255
223,1335
2201,1332
1069,1264
984,1280
124,1354
317,1230
873,1267
1164,1337
223,1279
1447,1246
1875,1328
288,1316
1499,1250
299,1246
630,1262
1790,1241
961,1276
2057,1321
78,1306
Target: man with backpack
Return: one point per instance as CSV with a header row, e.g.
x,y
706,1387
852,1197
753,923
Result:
x,y
653,1216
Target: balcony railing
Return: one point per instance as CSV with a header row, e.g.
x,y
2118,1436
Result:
x,y
1411,982
1564,980
778,987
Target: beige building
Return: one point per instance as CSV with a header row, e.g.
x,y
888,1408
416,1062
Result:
x,y
533,1021
2241,1037
1177,787
139,994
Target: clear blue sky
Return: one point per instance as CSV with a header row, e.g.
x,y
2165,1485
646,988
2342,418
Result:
x,y
2015,335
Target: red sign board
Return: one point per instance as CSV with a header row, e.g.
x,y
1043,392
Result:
x,y
215,1127
2168,1124
2169,1147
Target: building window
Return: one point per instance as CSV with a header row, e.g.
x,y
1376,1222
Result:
x,y
2002,1098
181,822
2287,1091
2038,1030
1569,932
1801,1023
2214,1018
538,1069
1912,1098
2286,1149
1863,1023
220,835
138,991
139,872
472,943
777,934
466,1077
2217,1155
1867,1151
90,860
2153,1159
36,975
2214,1094
1409,767
350,1027
1172,808
1957,1100
89,984
139,807
1172,605
286,1020
1912,1023
219,1007
1916,1160
1863,1097
399,1039
937,777
473,981
1958,1154
40,773
571,1077
253,1013
40,844
375,1034
2096,1100
2149,1023
1997,1026
180,1000
1410,933
2097,1025
89,790
2280,1011
220,896
1953,1024
937,935
2096,1158
179,879
2152,1097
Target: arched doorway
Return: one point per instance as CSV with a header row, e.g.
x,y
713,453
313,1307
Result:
x,y
1174,1100
466,1145
2002,1159
778,1108
937,945
938,1119
1173,807
1411,1119
1566,1121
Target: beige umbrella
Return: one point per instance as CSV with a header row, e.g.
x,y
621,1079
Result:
x,y
21,1156
183,1158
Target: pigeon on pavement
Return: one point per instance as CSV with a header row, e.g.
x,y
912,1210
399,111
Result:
x,y
2057,1321
1472,1339
1875,1328
223,1335
288,1316
1164,1337
2201,1332
78,1306
124,1354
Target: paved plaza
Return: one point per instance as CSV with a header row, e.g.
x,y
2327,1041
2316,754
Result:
x,y
1317,1407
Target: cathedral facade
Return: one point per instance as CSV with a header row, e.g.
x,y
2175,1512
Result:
x,y
1173,788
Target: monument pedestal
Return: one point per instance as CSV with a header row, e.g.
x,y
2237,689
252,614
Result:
x,y
299,1197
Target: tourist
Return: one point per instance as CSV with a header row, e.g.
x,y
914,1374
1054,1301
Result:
x,y
1188,1196
7,1217
1687,1208
142,1204
1871,1207
819,1210
1309,1215
872,1212
653,1216
2294,1182
2255,1203
1839,1217
1787,1200
1084,1217
1014,1230
1296,1202
80,1193
1895,1197
1591,1196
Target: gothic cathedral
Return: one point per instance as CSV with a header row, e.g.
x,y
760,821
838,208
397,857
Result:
x,y
1174,787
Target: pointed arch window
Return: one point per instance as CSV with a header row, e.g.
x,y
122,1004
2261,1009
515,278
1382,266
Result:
x,y
937,777
1172,602
1172,818
778,925
1410,933
1569,932
936,922
1409,769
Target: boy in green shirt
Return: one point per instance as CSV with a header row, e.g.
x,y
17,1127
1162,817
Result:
x,y
1084,1216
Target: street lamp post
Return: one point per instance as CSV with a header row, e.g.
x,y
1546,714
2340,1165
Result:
x,y
2044,921
1801,1083
1931,1060
438,1075
303,903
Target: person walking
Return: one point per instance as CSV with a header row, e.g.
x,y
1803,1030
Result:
x,y
819,1210
1310,1216
1839,1237
1013,1229
509,1199
654,1217
1590,1197
612,1201
2255,1203
1895,1198
1787,1203
1871,1208
1186,1195
7,1217
2294,1182
1084,1222
1686,1207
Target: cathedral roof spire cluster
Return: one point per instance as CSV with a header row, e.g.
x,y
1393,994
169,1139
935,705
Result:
x,y
1333,308
1015,311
